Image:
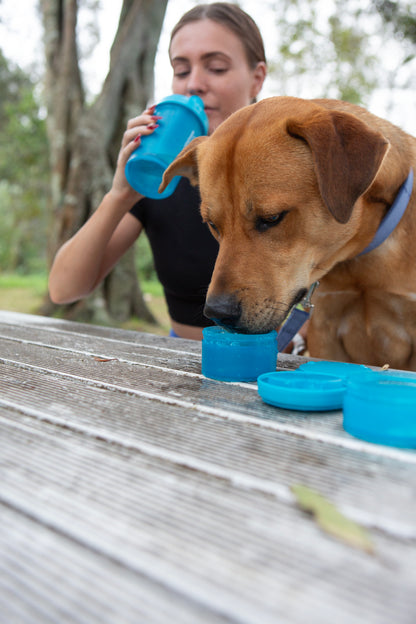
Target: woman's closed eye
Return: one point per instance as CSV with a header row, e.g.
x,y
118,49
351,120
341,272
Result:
x,y
215,69
185,72
181,72
181,68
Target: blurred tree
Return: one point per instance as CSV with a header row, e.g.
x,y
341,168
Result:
x,y
401,15
23,172
84,139
323,50
335,48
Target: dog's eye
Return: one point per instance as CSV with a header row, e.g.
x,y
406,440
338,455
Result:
x,y
213,226
265,223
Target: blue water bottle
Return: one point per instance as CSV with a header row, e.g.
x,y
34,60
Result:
x,y
182,119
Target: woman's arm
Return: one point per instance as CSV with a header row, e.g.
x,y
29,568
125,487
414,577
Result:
x,y
84,260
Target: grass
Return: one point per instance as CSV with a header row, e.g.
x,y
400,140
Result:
x,y
25,293
22,293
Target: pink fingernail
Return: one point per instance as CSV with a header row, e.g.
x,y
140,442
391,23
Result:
x,y
153,126
137,139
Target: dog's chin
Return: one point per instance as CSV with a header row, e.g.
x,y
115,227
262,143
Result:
x,y
265,323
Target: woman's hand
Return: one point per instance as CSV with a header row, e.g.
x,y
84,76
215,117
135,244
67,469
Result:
x,y
144,124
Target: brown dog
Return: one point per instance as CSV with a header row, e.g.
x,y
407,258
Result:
x,y
294,190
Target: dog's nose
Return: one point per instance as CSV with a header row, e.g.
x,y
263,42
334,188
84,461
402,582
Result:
x,y
224,310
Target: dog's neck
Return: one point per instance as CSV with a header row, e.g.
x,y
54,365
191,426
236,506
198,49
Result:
x,y
300,313
393,216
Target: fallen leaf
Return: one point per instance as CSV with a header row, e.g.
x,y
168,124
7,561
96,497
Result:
x,y
99,359
330,519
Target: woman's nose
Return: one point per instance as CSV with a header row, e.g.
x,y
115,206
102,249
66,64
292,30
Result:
x,y
196,83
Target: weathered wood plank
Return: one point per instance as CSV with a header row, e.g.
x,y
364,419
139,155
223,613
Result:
x,y
138,483
235,550
174,381
377,489
179,355
46,576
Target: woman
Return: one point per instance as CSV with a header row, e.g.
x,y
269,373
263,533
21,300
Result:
x,y
217,53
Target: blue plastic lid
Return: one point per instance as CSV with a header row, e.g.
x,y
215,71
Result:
x,y
312,391
339,369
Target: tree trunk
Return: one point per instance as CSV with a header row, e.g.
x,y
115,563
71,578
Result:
x,y
85,140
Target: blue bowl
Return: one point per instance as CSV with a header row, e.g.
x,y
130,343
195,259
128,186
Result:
x,y
229,356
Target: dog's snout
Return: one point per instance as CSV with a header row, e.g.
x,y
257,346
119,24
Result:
x,y
224,310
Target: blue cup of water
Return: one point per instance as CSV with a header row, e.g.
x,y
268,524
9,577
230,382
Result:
x,y
229,356
183,119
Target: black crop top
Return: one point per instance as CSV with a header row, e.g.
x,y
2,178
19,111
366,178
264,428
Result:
x,y
184,251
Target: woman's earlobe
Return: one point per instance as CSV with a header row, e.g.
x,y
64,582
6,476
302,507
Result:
x,y
260,73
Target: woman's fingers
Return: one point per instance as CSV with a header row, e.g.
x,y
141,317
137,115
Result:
x,y
137,127
143,124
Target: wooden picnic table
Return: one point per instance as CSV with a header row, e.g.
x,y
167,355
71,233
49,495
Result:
x,y
135,490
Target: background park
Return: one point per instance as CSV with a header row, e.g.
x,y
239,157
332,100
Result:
x,y
63,111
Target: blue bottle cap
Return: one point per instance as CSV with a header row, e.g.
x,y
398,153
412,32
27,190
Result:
x,y
302,391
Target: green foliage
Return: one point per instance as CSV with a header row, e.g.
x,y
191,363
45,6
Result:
x,y
36,282
330,49
327,56
23,293
23,172
401,15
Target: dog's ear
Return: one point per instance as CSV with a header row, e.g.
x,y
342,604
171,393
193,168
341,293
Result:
x,y
347,155
185,164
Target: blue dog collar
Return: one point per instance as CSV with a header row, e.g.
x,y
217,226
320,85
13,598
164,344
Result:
x,y
395,213
296,319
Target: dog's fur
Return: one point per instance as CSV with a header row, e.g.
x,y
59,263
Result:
x,y
294,190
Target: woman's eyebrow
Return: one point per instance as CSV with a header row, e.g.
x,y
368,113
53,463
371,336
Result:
x,y
204,57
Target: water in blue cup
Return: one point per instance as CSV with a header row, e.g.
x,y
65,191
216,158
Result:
x,y
183,119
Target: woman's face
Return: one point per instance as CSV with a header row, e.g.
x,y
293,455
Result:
x,y
209,60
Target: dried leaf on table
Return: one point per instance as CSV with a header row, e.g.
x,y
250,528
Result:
x,y
100,359
330,519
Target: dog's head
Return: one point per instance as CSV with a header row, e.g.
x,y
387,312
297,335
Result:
x,y
280,182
